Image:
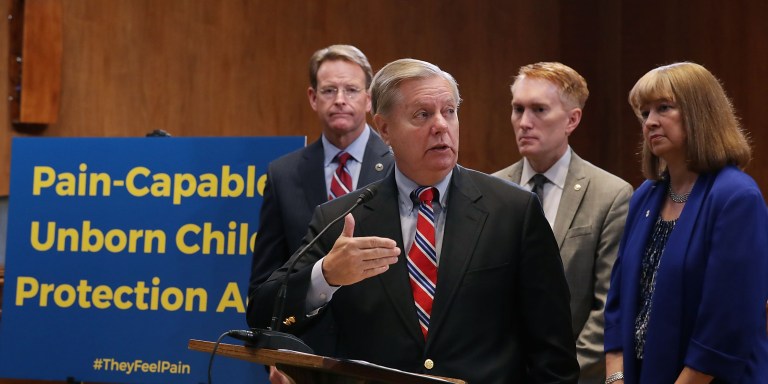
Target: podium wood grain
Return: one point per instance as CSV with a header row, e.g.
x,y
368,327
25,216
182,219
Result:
x,y
306,368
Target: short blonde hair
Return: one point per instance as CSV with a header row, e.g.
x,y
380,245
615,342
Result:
x,y
573,87
714,136
339,52
385,87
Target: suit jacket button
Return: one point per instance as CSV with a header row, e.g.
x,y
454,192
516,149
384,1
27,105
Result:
x,y
429,364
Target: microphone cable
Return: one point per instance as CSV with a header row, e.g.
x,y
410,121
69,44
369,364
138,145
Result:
x,y
237,334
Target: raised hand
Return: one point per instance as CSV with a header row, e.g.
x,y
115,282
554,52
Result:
x,y
354,259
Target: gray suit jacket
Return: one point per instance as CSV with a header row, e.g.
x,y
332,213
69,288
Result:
x,y
588,227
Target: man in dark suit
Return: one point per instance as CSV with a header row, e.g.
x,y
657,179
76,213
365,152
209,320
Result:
x,y
482,297
585,205
299,181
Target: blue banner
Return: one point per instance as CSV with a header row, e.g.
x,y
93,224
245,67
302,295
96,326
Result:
x,y
120,250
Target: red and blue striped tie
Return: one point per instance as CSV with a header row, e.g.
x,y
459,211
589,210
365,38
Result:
x,y
341,184
422,258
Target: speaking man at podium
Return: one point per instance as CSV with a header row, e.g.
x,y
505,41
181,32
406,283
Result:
x,y
444,271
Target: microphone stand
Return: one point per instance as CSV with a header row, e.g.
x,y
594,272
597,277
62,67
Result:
x,y
272,338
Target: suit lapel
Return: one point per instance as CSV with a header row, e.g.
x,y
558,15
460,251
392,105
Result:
x,y
311,168
376,161
463,226
631,253
381,217
674,257
574,189
515,172
688,217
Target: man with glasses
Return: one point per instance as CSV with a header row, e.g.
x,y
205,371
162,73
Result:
x,y
347,156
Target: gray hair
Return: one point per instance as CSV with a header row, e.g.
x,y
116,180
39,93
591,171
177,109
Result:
x,y
385,87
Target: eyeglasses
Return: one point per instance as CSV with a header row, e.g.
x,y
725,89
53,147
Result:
x,y
329,93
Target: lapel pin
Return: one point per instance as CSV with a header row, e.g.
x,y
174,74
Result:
x,y
379,167
647,213
577,187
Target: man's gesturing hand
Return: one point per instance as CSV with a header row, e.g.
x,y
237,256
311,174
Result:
x,y
353,259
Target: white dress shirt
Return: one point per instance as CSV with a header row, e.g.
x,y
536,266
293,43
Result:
x,y
356,149
552,191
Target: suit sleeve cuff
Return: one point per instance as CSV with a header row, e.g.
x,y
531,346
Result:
x,y
320,292
712,362
612,339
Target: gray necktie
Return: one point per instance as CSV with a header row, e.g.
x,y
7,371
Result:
x,y
538,186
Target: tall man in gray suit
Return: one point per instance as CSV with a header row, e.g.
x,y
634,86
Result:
x,y
585,205
339,77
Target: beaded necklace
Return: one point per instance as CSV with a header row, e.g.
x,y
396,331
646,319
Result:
x,y
681,198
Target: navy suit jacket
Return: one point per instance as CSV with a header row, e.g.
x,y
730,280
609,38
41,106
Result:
x,y
501,308
295,186
708,309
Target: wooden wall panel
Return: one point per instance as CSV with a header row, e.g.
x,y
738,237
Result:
x,y
729,39
590,43
200,68
5,117
232,68
41,65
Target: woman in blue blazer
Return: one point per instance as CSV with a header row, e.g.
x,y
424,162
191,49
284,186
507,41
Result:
x,y
689,287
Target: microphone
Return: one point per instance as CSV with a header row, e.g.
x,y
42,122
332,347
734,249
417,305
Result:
x,y
272,338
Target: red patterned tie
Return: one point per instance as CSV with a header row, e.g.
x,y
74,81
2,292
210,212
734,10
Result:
x,y
342,180
422,258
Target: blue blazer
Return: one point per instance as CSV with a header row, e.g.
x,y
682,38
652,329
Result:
x,y
708,309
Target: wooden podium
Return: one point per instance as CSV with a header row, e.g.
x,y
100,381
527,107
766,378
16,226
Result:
x,y
306,368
